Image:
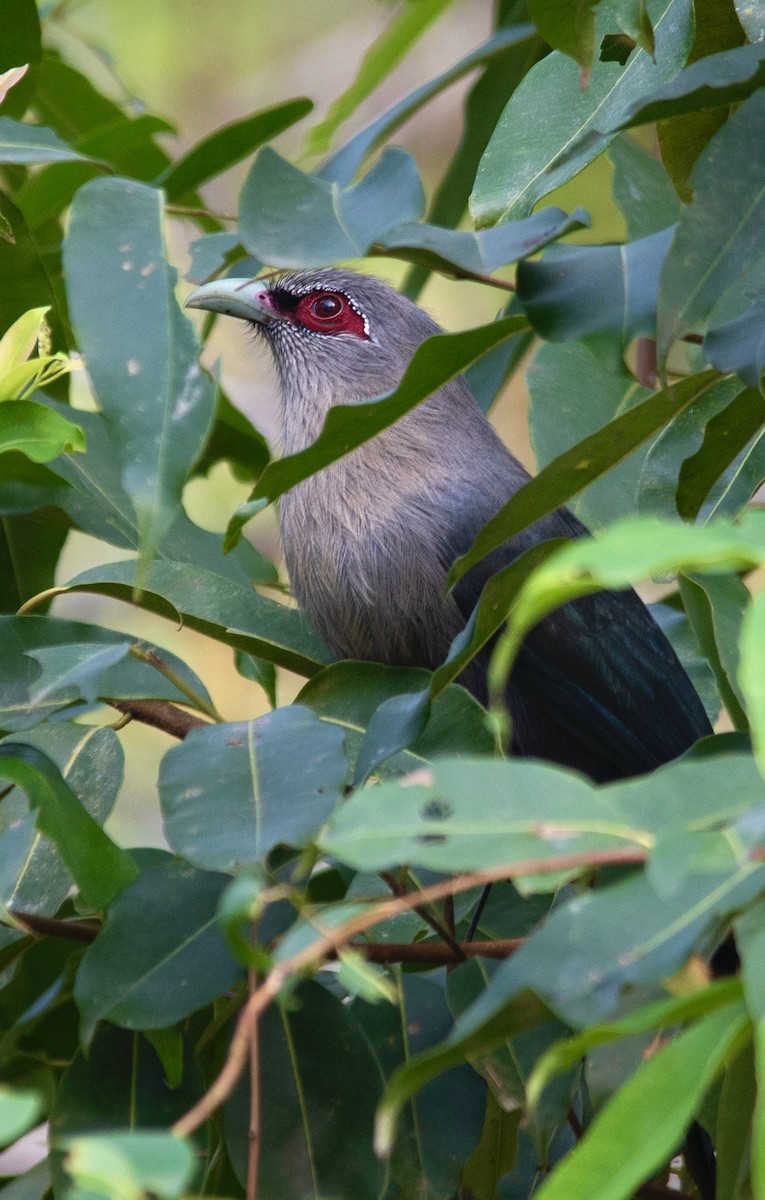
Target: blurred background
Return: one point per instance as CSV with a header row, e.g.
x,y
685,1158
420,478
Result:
x,y
202,66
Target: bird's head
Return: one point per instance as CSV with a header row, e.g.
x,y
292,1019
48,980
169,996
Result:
x,y
336,337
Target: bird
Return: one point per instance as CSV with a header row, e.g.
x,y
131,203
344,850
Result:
x,y
369,539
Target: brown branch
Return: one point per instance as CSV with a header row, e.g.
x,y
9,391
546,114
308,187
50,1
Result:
x,y
312,956
645,362
400,889
160,715
73,931
434,954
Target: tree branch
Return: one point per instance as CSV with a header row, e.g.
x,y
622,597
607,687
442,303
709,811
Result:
x,y
160,715
310,957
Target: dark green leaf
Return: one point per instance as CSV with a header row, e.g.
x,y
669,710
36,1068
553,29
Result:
x,y
322,1084
161,954
228,145
260,803
726,437
348,694
750,674
733,1132
100,869
478,253
567,25
642,189
739,345
219,607
715,80
91,762
434,363
23,575
155,399
722,230
29,639
715,605
19,33
573,394
120,1084
582,289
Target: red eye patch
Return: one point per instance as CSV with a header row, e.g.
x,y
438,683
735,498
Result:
x,y
330,312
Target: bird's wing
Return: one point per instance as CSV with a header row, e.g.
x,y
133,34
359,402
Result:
x,y
596,685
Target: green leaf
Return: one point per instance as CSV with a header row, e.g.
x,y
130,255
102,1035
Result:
x,y
682,438
567,25
715,80
572,394
347,426
291,219
18,342
523,161
216,606
38,432
125,1166
659,1015
91,763
175,964
642,189
67,646
733,1133
721,231
119,1084
308,1080
33,144
643,1123
751,676
157,403
440,1129
455,815
260,804
395,41
348,694
582,289
227,146
18,1110
720,478
716,605
19,33
100,869
568,474
478,253
739,344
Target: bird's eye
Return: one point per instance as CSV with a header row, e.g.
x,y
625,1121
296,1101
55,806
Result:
x,y
331,314
327,306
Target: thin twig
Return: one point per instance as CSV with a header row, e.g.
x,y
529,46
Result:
x,y
160,715
184,210
645,362
312,956
399,889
